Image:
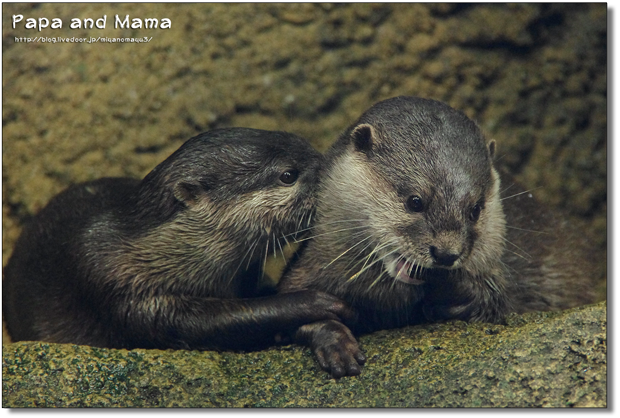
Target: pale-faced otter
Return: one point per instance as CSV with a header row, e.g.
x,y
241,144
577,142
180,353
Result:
x,y
164,262
410,227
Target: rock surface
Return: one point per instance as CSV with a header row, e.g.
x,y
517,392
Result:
x,y
534,77
537,360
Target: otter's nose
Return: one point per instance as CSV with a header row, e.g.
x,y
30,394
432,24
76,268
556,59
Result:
x,y
443,257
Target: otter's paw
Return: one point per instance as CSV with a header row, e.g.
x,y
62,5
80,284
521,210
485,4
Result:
x,y
445,312
334,346
474,311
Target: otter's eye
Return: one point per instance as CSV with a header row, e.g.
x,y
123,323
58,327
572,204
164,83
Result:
x,y
475,212
289,177
415,204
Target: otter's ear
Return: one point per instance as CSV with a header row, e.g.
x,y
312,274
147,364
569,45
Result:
x,y
363,137
189,193
491,147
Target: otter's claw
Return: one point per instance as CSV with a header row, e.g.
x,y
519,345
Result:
x,y
334,346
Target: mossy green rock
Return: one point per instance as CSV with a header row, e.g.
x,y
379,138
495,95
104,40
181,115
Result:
x,y
543,359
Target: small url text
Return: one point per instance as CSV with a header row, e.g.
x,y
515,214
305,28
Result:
x,y
60,39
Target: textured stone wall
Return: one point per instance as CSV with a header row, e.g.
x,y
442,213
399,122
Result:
x,y
533,76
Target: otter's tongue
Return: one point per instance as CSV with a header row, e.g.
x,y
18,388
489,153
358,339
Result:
x,y
402,267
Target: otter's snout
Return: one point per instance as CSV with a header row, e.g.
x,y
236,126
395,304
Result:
x,y
446,248
443,257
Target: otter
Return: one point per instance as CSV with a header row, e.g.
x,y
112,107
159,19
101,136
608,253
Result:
x,y
173,260
411,227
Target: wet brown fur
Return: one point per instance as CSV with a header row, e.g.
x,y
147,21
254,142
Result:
x,y
515,257
174,260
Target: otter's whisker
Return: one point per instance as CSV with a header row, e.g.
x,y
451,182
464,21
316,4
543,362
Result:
x,y
349,249
518,194
281,249
517,247
358,258
294,234
411,266
492,285
343,221
252,246
365,267
361,259
381,274
517,254
393,284
376,281
508,267
400,257
372,254
345,239
499,158
526,230
330,232
285,240
418,267
325,224
300,221
507,188
266,253
251,254
365,260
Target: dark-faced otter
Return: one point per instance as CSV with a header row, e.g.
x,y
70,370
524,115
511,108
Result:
x,y
174,260
411,227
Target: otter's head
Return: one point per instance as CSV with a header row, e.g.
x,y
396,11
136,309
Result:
x,y
421,180
232,190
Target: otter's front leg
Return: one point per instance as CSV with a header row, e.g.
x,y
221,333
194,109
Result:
x,y
209,323
334,346
467,299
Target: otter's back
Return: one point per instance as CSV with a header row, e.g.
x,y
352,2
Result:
x,y
39,284
550,258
